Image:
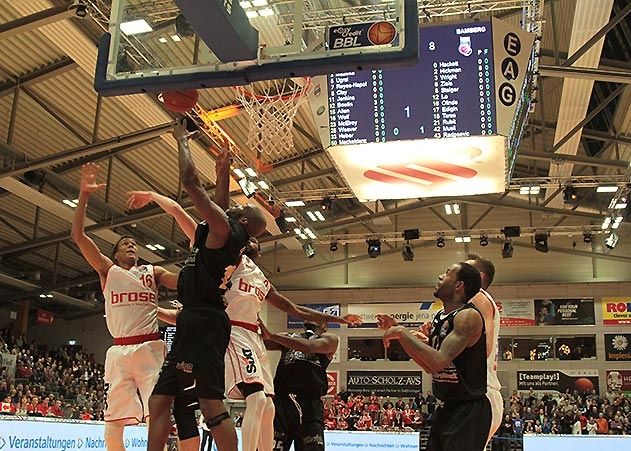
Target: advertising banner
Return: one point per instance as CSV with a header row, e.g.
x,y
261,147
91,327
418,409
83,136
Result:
x,y
407,314
23,434
331,309
332,378
565,312
559,381
44,317
516,312
384,383
576,442
618,347
619,380
616,311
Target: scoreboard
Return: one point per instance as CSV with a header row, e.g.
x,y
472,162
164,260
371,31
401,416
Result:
x,y
449,93
447,126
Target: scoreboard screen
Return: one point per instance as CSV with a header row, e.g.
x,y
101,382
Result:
x,y
449,93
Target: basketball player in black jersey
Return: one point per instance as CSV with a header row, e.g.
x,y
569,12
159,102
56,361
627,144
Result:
x,y
195,364
299,383
456,359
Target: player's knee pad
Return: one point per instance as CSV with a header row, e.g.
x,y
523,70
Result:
x,y
216,421
113,434
186,422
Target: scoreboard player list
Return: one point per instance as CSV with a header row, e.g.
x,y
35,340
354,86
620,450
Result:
x,y
448,93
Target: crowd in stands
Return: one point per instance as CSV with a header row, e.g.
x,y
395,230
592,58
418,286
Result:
x,y
525,413
377,413
63,382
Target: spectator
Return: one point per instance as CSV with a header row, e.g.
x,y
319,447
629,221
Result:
x,y
431,403
518,426
591,427
576,426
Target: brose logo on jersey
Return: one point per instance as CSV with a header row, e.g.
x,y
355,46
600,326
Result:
x,y
142,296
249,288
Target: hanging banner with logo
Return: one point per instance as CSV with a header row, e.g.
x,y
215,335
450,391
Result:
x,y
332,379
331,309
583,381
384,383
618,347
619,380
616,311
45,317
516,312
565,312
406,314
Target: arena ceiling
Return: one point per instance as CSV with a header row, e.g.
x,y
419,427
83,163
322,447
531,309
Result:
x,y
53,121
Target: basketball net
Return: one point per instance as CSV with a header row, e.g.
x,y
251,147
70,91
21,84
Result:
x,y
272,106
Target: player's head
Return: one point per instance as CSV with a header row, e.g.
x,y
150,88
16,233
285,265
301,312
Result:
x,y
460,282
484,266
250,217
252,249
125,251
312,328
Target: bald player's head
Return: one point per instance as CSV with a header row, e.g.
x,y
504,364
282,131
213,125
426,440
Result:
x,y
250,217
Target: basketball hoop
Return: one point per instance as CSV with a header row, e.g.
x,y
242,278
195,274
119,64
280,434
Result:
x,y
272,106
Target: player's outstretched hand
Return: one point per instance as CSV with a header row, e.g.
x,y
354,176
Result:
x,y
138,199
180,131
386,321
176,305
393,333
352,320
222,164
426,328
265,333
89,173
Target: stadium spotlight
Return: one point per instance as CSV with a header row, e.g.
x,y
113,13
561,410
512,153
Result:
x,y
374,248
484,240
411,234
333,246
541,242
309,249
408,252
569,194
511,231
611,240
440,242
507,250
281,222
587,237
326,203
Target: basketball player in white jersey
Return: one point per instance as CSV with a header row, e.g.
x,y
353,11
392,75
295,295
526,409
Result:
x,y
248,371
491,315
133,363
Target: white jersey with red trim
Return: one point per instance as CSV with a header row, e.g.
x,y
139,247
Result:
x,y
131,301
492,380
247,289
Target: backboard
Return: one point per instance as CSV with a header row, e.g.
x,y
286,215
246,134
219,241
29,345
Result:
x,y
161,45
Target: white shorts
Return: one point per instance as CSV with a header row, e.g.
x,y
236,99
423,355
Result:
x,y
247,361
130,369
497,409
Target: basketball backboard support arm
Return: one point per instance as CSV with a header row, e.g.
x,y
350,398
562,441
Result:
x,y
280,62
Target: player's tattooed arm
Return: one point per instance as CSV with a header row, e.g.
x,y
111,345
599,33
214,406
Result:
x,y
207,209
222,173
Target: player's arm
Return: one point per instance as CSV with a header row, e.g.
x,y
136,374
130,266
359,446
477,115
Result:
x,y
165,278
88,247
168,315
326,344
306,314
467,330
138,199
222,182
208,210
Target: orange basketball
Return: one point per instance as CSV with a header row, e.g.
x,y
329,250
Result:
x,y
179,101
381,33
583,385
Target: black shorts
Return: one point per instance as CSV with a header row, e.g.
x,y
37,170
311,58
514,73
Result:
x,y
298,420
461,426
195,364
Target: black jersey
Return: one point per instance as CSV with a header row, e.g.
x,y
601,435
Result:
x,y
203,271
301,373
464,379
